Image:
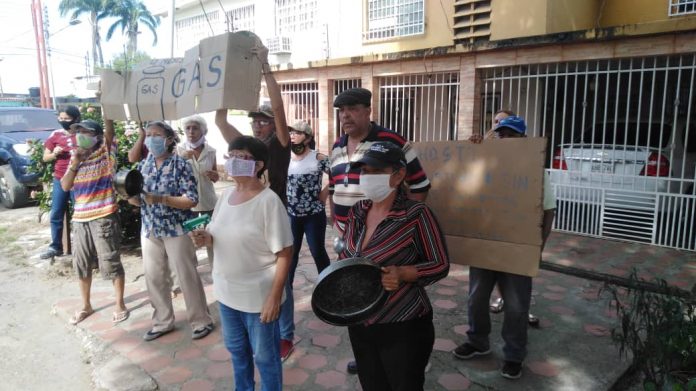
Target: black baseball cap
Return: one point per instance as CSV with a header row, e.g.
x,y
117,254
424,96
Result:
x,y
353,96
90,125
382,154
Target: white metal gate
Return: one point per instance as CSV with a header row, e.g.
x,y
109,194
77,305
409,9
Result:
x,y
621,141
420,107
301,102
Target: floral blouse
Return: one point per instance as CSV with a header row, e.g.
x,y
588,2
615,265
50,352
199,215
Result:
x,y
174,178
304,185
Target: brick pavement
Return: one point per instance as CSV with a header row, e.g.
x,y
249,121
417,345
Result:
x,y
570,350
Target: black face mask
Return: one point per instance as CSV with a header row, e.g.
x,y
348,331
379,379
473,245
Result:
x,y
66,124
297,149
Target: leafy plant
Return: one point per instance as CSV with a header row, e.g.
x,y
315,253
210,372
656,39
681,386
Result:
x,y
45,171
659,331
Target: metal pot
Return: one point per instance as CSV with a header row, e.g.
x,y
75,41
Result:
x,y
349,292
128,183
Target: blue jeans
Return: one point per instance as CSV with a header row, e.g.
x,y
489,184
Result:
x,y
59,204
516,291
314,227
251,342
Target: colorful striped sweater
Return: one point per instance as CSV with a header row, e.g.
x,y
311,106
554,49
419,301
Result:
x,y
93,186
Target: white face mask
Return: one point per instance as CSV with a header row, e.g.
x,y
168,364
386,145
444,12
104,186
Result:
x,y
189,145
376,186
240,167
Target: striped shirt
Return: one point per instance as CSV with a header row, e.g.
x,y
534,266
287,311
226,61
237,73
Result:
x,y
344,180
93,186
409,235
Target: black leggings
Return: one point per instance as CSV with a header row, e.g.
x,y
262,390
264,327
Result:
x,y
393,356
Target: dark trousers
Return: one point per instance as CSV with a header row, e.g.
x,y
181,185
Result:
x,y
393,356
59,204
517,294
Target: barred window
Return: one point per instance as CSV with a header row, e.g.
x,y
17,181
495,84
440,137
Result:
x,y
242,18
295,15
682,7
394,18
190,31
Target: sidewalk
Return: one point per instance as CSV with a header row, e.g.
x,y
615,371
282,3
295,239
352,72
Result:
x,y
571,350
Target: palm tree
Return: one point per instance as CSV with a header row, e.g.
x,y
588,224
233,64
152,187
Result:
x,y
129,14
94,8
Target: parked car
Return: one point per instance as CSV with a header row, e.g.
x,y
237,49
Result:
x,y
628,156
17,126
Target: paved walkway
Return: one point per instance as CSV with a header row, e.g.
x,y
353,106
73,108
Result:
x,y
571,350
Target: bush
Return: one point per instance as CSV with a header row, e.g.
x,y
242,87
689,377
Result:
x,y
659,331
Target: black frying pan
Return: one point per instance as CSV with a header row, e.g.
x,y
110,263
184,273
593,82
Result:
x,y
348,292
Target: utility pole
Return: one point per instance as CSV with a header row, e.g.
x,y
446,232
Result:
x,y
37,19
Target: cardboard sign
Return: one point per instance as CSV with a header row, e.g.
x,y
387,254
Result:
x,y
488,200
219,73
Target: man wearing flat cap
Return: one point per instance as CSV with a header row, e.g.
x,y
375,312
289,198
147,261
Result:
x,y
354,110
269,125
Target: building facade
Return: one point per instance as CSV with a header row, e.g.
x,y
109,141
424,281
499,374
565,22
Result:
x,y
439,70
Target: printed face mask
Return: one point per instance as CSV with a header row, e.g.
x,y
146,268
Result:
x,y
376,186
84,141
240,167
297,149
157,145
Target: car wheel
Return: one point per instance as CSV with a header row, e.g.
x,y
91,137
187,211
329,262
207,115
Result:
x,y
12,193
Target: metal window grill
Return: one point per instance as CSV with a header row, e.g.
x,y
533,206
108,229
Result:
x,y
279,44
621,141
681,7
190,31
394,18
301,102
420,107
241,18
295,15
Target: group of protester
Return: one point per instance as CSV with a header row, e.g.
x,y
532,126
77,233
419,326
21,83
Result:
x,y
376,190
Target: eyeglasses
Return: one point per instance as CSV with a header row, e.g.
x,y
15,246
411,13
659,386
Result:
x,y
296,132
241,156
260,122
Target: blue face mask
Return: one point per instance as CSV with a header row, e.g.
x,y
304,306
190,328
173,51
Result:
x,y
157,145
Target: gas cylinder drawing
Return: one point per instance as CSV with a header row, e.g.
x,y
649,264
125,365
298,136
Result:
x,y
151,92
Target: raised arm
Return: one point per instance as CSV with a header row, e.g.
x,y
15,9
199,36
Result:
x,y
135,154
229,132
281,124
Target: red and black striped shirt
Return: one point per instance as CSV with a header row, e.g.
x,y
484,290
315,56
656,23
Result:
x,y
409,236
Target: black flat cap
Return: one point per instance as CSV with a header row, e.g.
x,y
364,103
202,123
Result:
x,y
353,96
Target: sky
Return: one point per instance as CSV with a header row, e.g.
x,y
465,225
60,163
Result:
x,y
69,45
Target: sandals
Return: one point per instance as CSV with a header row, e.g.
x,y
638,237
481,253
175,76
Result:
x,y
80,316
496,305
152,334
202,331
119,317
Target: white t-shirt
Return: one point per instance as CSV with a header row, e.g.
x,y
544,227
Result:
x,y
245,240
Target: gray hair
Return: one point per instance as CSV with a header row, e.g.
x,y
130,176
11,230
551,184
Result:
x,y
198,120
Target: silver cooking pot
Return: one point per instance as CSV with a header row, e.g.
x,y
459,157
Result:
x,y
128,183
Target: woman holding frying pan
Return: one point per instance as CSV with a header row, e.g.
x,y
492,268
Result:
x,y
402,236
